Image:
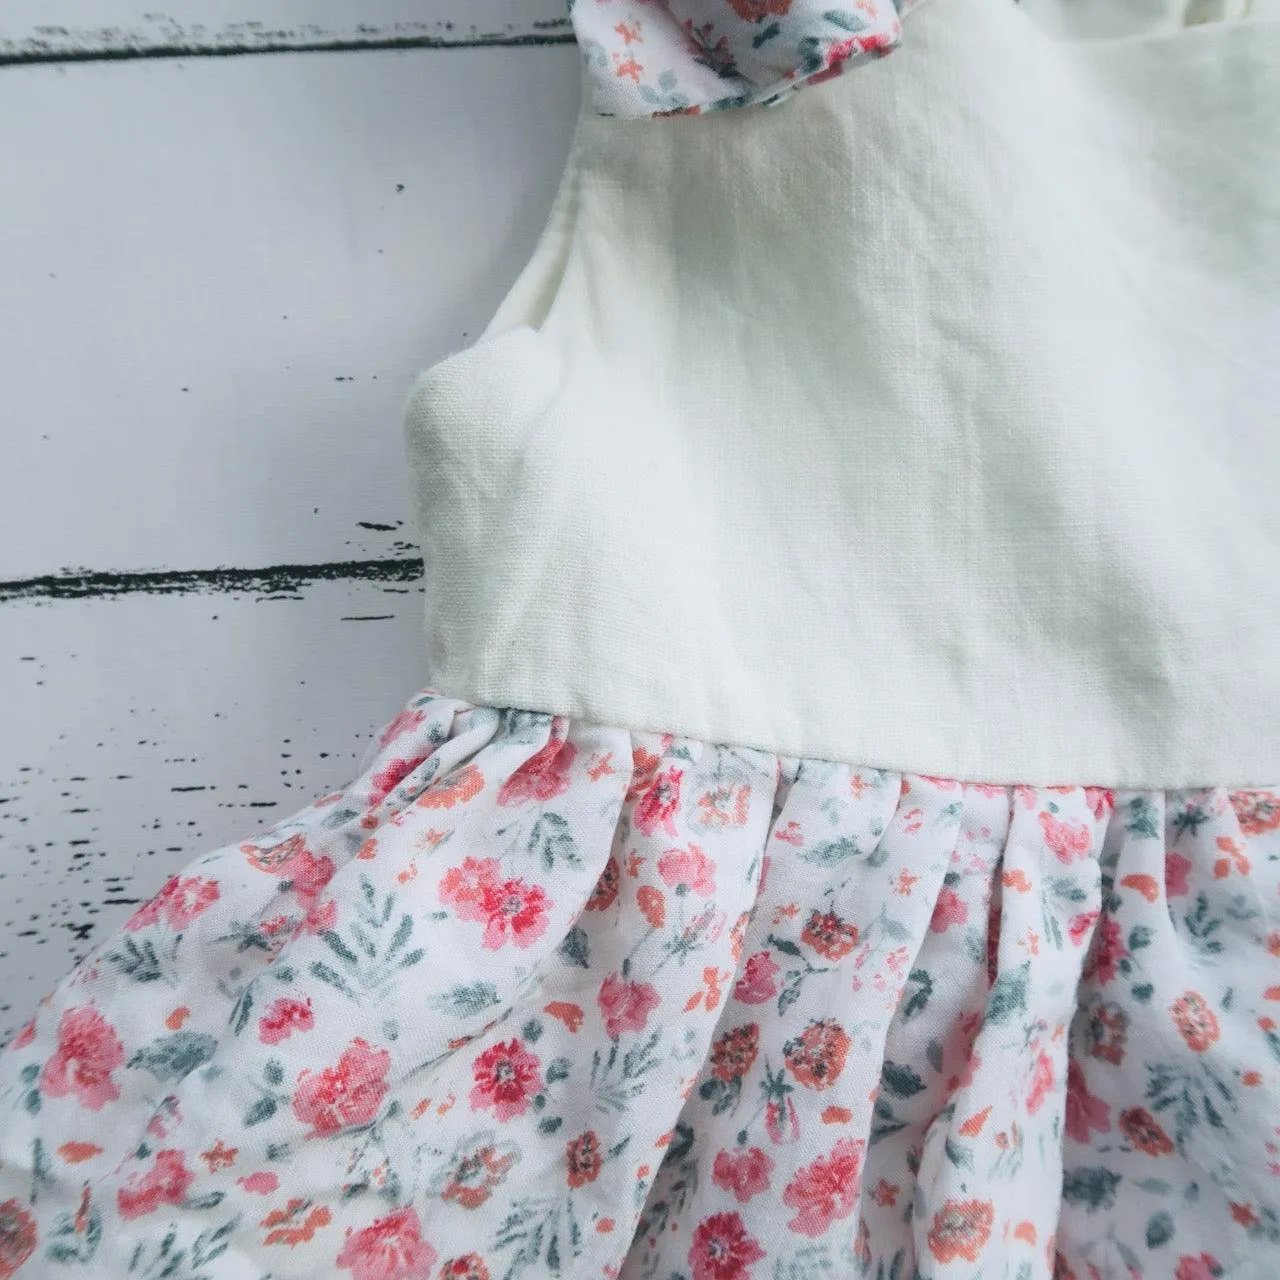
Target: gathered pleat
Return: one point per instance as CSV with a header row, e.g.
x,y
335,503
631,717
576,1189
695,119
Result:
x,y
537,998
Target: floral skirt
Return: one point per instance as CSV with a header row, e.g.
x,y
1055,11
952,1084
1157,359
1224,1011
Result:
x,y
537,998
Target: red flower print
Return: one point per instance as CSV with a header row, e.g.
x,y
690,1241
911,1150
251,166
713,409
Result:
x,y
1084,1112
961,1229
406,720
827,1189
307,875
347,1094
385,781
722,1249
1108,950
88,1052
626,1006
688,871
283,1017
1144,1131
1080,926
471,1266
1202,1266
507,1077
755,10
180,902
759,979
511,908
1108,1033
543,776
1042,1077
25,1036
470,1181
657,806
1257,813
1068,841
949,909
390,1248
745,1172
816,1057
1176,868
166,1182
781,1122
733,1054
583,1159
652,904
605,894
829,935
1197,1024
17,1238
448,791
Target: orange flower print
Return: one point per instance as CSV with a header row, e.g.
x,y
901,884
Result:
x,y
817,1056
344,1095
1256,811
87,1055
653,906
296,1223
453,789
476,1169
1068,841
1144,1131
389,1248
755,10
733,1054
18,1238
961,1229
605,893
826,1190
1197,1024
583,1159
829,935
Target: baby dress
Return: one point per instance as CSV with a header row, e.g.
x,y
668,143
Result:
x,y
837,841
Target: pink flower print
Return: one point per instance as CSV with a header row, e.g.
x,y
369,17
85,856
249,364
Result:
x,y
626,1005
1069,841
1084,1112
657,806
950,909
688,871
166,1182
1176,868
722,1249
1042,1079
343,1095
321,918
1108,951
403,723
745,1172
1202,1266
507,1076
759,979
389,1248
261,1183
1100,800
478,893
1081,927
385,781
307,874
179,902
88,1052
827,1189
543,776
781,1122
283,1017
25,1036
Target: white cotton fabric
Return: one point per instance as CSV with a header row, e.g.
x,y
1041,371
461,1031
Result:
x,y
928,423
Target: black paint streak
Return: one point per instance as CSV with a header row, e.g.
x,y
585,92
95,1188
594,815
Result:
x,y
366,617
274,581
58,44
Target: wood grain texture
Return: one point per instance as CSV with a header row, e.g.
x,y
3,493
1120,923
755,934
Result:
x,y
79,30
221,278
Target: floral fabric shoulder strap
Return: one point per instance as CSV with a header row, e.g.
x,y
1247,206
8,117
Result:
x,y
656,57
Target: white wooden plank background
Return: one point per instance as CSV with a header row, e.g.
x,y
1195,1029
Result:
x,y
219,277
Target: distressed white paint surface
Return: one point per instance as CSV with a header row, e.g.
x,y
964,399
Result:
x,y
73,28
161,220
216,293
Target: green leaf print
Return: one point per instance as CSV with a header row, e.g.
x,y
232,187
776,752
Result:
x,y
263,1109
137,961
1094,1188
172,1057
916,997
1143,818
551,840
1009,995
465,1001
69,1242
1159,1230
574,949
900,1081
831,853
845,19
811,1262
